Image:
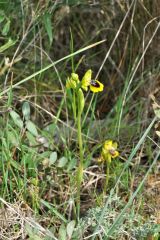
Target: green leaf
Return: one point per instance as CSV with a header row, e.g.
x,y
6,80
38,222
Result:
x,y
31,233
32,128
53,210
13,138
2,17
62,233
26,111
48,26
72,164
6,28
16,118
31,138
157,112
62,162
70,228
52,158
7,45
35,237
45,154
16,165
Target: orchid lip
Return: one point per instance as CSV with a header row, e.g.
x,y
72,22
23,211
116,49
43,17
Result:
x,y
95,83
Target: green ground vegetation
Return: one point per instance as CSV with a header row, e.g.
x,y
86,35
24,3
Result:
x,y
51,136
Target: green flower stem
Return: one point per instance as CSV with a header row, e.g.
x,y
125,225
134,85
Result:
x,y
80,167
107,178
74,106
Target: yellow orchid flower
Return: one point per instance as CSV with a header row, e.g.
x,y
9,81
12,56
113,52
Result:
x,y
94,85
109,151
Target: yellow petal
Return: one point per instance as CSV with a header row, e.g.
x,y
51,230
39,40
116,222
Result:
x,y
86,80
84,88
108,144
